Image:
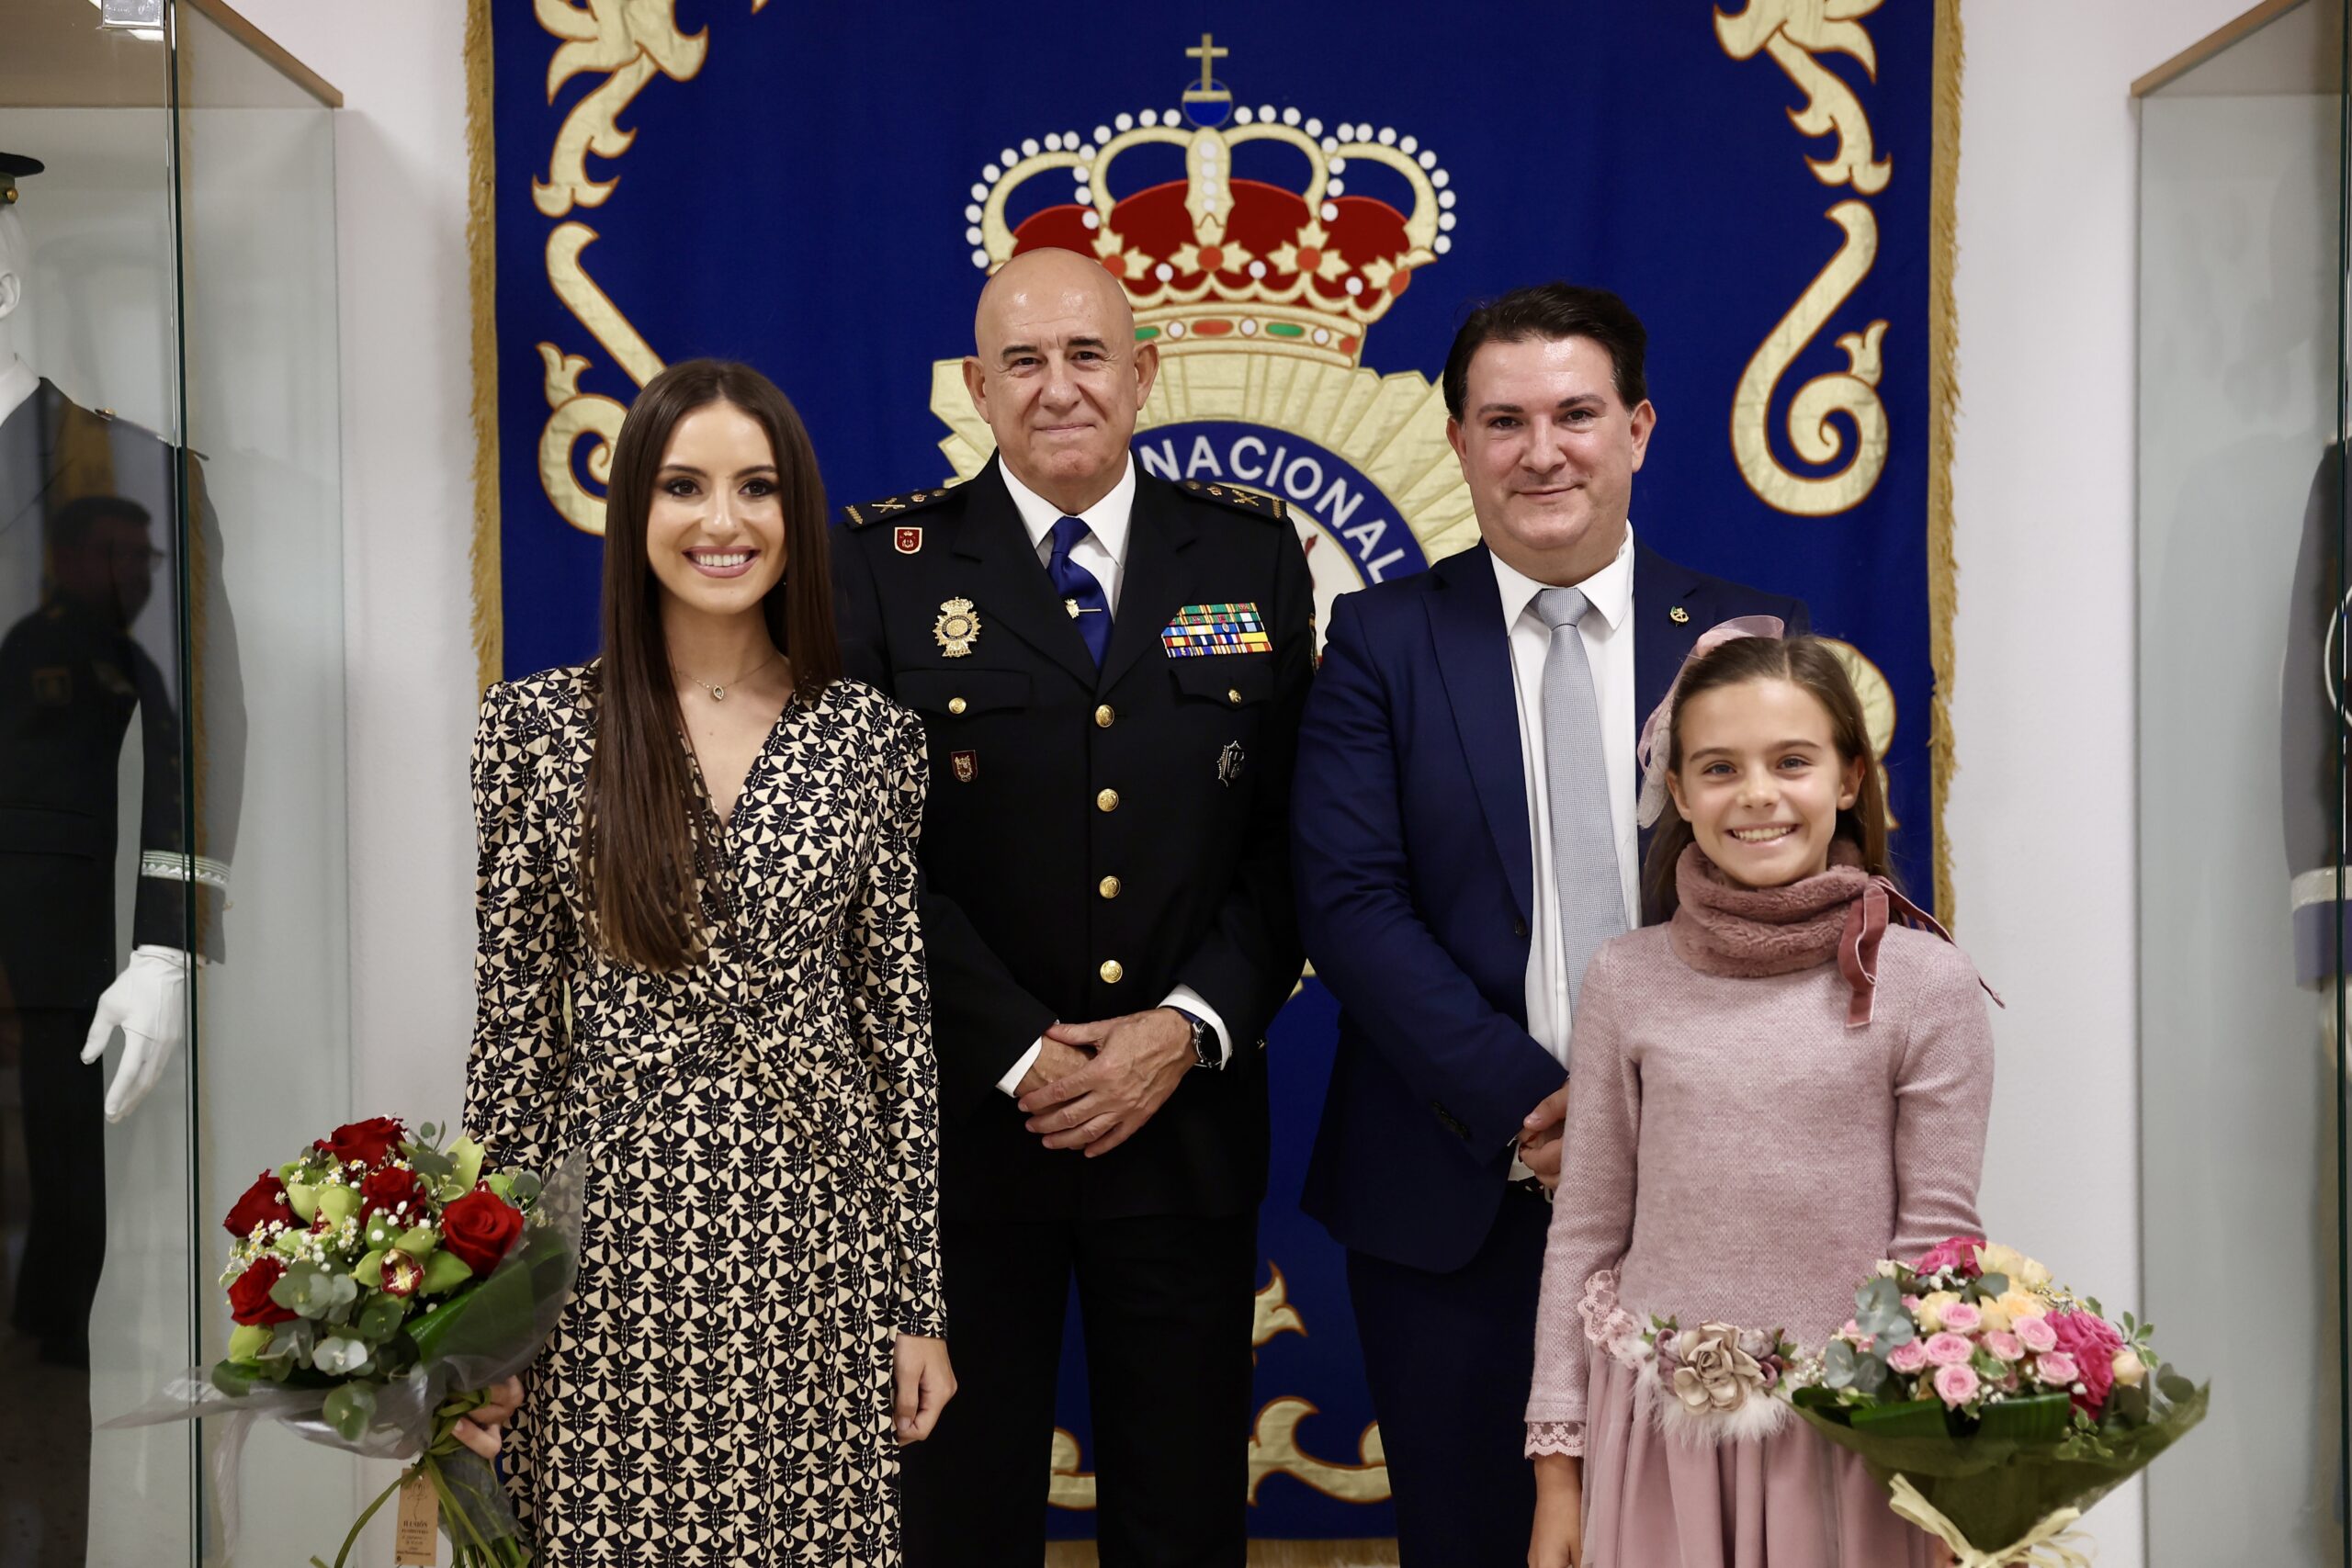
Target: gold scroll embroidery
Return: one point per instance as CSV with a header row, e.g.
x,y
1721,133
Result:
x,y
1794,32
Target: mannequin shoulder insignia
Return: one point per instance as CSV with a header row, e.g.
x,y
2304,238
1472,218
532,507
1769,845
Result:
x,y
1256,503
891,508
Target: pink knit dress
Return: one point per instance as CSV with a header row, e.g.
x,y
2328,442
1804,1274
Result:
x,y
1753,1123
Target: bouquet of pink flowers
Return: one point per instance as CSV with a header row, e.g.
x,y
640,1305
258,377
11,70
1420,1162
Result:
x,y
1996,1404
378,1284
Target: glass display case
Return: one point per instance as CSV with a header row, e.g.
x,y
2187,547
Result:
x,y
172,722
2241,777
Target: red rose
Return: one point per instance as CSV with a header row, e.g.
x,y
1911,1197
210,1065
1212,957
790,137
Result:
x,y
249,1299
388,1189
479,1229
2093,1342
265,1200
372,1142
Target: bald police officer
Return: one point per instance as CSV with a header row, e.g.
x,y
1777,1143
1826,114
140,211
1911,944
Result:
x,y
1110,669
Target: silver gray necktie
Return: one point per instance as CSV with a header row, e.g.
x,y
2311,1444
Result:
x,y
1576,767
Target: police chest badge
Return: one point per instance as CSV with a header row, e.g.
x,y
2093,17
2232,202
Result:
x,y
958,628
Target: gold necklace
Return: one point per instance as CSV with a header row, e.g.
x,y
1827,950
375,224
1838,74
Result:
x,y
719,693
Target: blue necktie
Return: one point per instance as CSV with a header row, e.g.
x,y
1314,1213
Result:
x,y
1080,594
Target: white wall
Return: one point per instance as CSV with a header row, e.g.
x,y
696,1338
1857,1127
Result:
x,y
2040,815
408,510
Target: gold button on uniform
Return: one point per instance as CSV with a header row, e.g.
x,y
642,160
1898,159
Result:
x,y
1104,717
955,704
1233,695
1107,801
1111,972
1108,887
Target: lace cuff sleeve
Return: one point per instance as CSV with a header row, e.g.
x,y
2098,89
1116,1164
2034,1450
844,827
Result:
x,y
1555,1437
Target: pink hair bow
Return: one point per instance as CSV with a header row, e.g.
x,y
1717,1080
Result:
x,y
1657,731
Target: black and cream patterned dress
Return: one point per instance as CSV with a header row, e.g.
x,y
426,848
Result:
x,y
761,1136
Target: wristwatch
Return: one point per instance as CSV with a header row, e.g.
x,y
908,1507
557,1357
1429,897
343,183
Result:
x,y
1206,1053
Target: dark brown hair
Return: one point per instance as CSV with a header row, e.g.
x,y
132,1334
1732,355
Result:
x,y
1807,663
1552,311
643,832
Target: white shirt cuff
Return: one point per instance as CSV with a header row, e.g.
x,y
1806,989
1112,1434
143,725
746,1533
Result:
x,y
1011,1082
1191,1000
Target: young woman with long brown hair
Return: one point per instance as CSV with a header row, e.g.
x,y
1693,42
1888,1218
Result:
x,y
700,970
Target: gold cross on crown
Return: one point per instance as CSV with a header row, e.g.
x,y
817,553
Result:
x,y
1208,92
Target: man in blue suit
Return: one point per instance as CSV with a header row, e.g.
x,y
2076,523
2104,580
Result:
x,y
1464,837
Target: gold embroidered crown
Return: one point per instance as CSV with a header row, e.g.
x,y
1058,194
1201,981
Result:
x,y
1214,257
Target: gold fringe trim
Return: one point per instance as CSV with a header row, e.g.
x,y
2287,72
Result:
x,y
481,253
1944,405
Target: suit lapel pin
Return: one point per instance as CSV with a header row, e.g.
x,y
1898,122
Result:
x,y
958,628
1678,615
1229,763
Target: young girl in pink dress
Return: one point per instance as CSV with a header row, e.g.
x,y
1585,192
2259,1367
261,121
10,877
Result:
x,y
1770,1092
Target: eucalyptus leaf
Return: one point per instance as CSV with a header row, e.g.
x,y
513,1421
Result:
x,y
524,1188
339,1357
2174,1387
1994,1284
1870,1374
1898,1332
349,1409
298,1291
1837,1364
289,1345
432,1164
381,1317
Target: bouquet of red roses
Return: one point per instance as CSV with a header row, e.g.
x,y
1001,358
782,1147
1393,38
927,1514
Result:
x,y
380,1283
1995,1404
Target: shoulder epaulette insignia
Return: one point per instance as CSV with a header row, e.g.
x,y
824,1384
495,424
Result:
x,y
1235,496
865,514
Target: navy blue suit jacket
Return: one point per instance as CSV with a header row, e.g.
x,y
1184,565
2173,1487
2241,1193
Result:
x,y
1415,880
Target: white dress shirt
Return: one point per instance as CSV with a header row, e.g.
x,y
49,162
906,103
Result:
x,y
1103,553
1607,633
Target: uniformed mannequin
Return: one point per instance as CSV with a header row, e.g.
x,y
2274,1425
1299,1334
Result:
x,y
95,498
2311,720
1110,670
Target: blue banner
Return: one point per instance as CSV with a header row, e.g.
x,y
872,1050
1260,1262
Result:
x,y
1300,200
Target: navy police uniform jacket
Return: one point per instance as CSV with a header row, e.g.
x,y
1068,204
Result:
x,y
1094,838
71,687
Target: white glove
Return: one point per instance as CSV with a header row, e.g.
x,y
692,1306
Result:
x,y
147,1001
